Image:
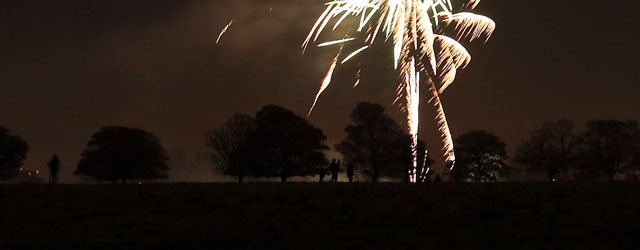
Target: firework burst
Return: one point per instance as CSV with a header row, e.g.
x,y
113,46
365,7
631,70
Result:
x,y
426,50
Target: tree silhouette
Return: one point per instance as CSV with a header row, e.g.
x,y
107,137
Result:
x,y
121,153
609,147
480,156
225,141
550,149
282,145
13,152
375,142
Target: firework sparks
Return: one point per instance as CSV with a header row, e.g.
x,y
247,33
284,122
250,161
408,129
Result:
x,y
358,75
326,81
346,59
341,41
224,30
426,50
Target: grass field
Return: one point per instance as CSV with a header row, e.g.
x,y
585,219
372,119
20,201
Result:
x,y
321,216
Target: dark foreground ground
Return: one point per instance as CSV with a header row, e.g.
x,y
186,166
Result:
x,y
321,216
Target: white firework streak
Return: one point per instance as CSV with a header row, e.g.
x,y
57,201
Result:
x,y
353,54
426,51
341,41
224,30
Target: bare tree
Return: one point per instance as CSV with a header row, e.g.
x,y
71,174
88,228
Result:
x,y
225,141
609,147
550,149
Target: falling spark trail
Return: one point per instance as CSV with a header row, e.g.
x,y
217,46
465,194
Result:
x,y
427,53
353,54
224,30
325,82
356,83
358,75
341,41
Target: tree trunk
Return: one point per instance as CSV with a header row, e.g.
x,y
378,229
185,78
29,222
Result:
x,y
124,181
283,178
240,178
374,167
376,175
374,157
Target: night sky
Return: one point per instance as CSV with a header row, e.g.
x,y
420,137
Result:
x,y
70,67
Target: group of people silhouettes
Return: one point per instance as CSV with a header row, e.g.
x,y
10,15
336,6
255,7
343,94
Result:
x,y
334,169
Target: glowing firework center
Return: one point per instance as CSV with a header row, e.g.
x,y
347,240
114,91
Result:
x,y
427,51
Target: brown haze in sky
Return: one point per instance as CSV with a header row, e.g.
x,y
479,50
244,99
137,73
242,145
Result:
x,y
71,67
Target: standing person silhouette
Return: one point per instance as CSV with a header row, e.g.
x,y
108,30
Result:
x,y
54,168
322,173
350,172
335,167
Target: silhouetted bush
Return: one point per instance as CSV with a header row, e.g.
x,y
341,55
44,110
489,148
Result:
x,y
480,157
13,152
121,153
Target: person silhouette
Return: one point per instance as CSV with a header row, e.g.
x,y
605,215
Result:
x,y
335,168
54,168
350,172
322,172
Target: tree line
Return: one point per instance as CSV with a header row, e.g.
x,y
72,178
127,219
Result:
x,y
606,148
277,143
379,147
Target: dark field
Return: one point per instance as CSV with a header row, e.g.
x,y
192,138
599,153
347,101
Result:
x,y
321,216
